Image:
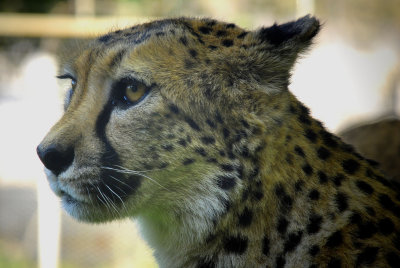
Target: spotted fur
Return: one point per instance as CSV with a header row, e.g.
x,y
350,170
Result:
x,y
219,162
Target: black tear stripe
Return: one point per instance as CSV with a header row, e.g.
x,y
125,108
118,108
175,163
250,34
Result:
x,y
113,185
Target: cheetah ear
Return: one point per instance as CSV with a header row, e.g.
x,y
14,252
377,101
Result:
x,y
281,45
294,35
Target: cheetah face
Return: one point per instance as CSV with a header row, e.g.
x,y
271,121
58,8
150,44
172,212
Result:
x,y
159,114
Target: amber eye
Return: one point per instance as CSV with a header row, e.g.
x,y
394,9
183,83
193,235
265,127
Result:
x,y
135,92
128,92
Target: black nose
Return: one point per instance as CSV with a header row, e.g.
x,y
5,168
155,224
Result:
x,y
55,159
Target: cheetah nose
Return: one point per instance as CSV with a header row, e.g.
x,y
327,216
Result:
x,y
55,159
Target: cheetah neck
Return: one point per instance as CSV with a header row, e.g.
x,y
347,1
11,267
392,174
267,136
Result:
x,y
276,195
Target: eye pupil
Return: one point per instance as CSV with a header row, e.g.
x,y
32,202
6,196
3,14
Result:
x,y
132,88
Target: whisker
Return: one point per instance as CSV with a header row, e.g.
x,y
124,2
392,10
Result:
x,y
130,187
105,200
127,171
116,195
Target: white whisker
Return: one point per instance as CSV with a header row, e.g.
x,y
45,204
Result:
x,y
128,171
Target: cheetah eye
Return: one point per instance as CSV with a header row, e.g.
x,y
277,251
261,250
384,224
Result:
x,y
70,91
130,91
68,76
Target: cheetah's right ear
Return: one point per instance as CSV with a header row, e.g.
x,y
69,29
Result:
x,y
294,35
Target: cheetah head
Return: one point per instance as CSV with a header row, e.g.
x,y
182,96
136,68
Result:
x,y
161,117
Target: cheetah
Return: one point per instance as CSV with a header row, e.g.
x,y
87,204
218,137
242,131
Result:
x,y
188,126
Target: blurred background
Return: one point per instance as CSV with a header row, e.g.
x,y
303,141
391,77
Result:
x,y
350,80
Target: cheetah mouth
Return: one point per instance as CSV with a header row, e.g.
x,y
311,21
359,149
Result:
x,y
69,199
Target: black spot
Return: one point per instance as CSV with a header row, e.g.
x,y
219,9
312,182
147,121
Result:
x,y
366,230
335,240
207,140
367,256
254,173
173,108
170,136
226,182
189,65
205,30
396,241
183,40
328,139
305,119
242,35
204,263
226,132
323,153
168,147
334,263
311,135
164,165
298,186
212,47
235,244
221,33
210,123
230,25
314,194
282,226
370,211
313,250
245,123
117,58
227,167
350,166
212,160
218,117
280,261
386,226
193,53
341,201
299,151
245,151
182,142
307,169
393,259
160,34
315,224
239,170
245,218
192,124
258,195
265,246
200,151
285,200
364,187
188,161
292,241
322,177
337,180
355,218
227,42
105,38
387,203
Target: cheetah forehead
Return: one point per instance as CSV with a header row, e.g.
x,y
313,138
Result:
x,y
265,52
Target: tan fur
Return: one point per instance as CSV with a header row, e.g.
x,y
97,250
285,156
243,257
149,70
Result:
x,y
220,163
